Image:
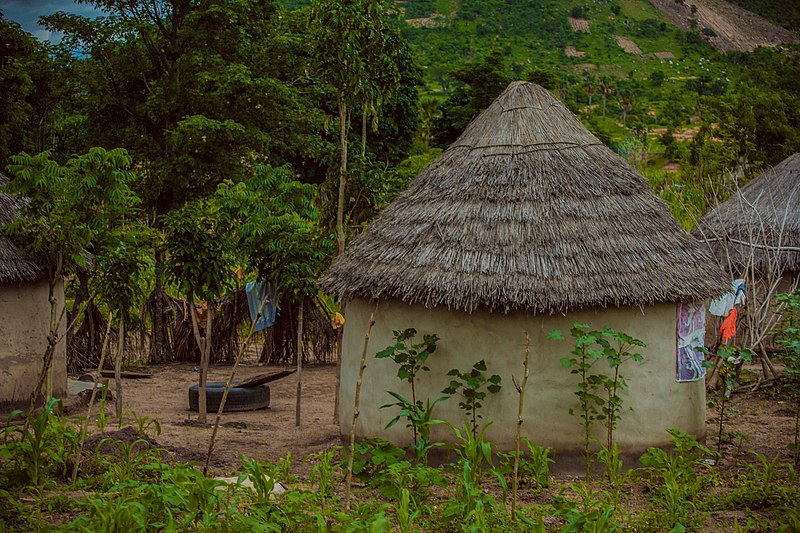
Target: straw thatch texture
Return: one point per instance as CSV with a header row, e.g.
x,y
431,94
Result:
x,y
760,224
526,210
13,266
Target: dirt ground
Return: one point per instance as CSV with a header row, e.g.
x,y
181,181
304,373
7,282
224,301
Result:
x,y
266,434
735,28
759,421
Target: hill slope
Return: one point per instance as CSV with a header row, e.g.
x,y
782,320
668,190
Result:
x,y
733,27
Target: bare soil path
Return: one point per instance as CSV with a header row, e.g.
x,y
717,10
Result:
x,y
266,434
764,423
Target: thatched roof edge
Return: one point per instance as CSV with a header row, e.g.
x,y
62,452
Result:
x,y
14,267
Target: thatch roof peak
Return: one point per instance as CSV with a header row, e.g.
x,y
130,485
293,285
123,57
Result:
x,y
761,219
526,210
14,267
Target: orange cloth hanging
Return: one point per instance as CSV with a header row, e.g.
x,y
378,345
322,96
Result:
x,y
728,327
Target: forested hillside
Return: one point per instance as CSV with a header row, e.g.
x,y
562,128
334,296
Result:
x,y
354,98
670,92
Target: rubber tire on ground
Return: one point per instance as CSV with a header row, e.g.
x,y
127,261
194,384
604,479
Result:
x,y
239,399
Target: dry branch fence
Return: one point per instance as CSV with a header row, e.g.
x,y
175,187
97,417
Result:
x,y
275,345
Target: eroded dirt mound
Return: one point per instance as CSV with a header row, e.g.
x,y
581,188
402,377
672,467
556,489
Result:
x,y
115,443
731,27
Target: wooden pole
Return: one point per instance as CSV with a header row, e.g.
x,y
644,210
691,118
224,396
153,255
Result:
x,y
299,363
339,339
520,405
118,370
206,358
356,403
239,357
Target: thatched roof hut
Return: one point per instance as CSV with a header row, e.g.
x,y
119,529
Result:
x,y
760,224
13,266
526,210
527,223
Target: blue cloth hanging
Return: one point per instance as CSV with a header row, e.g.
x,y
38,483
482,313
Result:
x,y
256,292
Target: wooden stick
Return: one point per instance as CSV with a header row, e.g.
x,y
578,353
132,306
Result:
x,y
339,339
239,357
118,370
85,421
520,405
201,383
299,363
348,485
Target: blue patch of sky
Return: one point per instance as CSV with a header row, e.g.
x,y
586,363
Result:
x,y
27,12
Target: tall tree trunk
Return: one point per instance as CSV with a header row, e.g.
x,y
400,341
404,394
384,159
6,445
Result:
x,y
201,343
118,369
364,131
158,350
340,235
299,355
343,119
45,376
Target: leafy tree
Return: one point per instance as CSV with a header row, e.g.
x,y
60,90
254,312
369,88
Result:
x,y
279,230
66,207
626,95
201,240
607,88
352,43
546,78
480,83
199,92
119,278
24,76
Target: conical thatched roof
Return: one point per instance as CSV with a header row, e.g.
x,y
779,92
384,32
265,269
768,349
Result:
x,y
526,210
762,219
13,266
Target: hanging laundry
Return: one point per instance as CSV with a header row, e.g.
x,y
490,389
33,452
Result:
x,y
728,328
691,326
256,292
722,306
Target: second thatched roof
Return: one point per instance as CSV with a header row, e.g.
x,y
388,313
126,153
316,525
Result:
x,y
760,224
14,267
526,210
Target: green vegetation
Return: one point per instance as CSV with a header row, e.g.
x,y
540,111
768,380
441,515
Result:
x,y
410,360
597,392
787,337
130,483
217,135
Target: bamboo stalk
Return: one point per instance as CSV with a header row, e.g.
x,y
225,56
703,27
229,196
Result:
x,y
239,357
356,403
520,405
85,421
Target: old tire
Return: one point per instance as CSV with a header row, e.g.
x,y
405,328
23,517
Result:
x,y
239,399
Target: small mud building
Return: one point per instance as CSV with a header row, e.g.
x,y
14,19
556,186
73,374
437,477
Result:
x,y
527,223
24,322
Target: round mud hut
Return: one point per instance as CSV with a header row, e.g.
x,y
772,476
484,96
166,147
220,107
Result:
x,y
757,229
526,224
24,322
